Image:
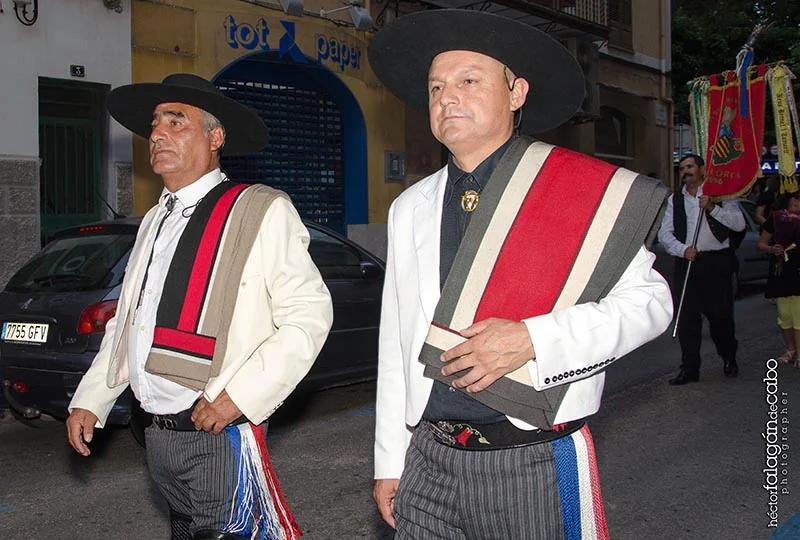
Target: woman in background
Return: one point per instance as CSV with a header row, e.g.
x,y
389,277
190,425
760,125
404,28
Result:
x,y
780,237
767,198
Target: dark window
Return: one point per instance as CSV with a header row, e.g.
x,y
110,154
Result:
x,y
612,136
76,263
334,258
72,122
619,23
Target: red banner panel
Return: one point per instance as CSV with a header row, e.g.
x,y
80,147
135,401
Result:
x,y
735,133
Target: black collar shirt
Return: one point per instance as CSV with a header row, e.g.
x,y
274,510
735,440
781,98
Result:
x,y
445,402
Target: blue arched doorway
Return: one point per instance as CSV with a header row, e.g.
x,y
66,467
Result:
x,y
317,150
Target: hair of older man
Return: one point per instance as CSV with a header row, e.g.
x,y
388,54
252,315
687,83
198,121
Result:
x,y
210,122
694,157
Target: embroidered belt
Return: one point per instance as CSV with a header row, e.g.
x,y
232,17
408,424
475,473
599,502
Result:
x,y
182,421
494,436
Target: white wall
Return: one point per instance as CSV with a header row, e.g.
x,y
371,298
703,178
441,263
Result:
x,y
67,32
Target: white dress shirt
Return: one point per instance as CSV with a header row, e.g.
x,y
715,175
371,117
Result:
x,y
727,213
157,394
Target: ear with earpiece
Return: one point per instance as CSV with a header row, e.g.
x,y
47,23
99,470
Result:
x,y
519,92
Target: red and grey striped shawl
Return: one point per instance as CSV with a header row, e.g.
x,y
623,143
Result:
x,y
202,283
554,228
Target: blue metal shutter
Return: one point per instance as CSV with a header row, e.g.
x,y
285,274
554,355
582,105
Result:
x,y
304,153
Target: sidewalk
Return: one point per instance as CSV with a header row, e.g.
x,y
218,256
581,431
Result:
x,y
688,462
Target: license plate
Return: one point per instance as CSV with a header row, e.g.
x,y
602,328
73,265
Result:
x,y
24,332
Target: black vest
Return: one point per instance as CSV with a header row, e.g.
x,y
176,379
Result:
x,y
720,231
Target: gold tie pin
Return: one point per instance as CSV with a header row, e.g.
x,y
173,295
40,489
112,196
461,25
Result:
x,y
470,200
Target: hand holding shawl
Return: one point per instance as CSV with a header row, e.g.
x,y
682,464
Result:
x,y
494,348
516,262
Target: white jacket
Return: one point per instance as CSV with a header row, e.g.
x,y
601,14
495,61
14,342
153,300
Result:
x,y
282,317
637,309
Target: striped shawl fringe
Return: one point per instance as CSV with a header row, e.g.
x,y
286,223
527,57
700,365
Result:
x,y
202,283
554,229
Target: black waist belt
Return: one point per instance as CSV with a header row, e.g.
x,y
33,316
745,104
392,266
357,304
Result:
x,y
182,421
494,436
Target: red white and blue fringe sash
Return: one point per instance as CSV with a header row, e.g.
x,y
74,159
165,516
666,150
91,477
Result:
x,y
258,507
579,487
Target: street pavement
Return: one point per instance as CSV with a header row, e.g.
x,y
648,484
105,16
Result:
x,y
678,463
689,462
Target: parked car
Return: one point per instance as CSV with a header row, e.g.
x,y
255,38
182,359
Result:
x,y
751,263
54,310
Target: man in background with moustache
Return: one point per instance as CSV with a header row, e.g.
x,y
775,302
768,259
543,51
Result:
x,y
709,290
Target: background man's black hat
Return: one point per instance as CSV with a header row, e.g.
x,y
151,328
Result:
x,y
133,105
402,51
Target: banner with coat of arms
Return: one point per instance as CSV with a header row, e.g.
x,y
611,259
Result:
x,y
727,115
735,132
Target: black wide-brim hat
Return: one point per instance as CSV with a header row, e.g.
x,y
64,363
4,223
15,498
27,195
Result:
x,y
133,105
402,51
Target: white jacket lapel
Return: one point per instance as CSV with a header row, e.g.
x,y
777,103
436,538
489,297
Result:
x,y
138,260
132,281
427,231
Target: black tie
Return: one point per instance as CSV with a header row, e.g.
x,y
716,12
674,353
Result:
x,y
169,205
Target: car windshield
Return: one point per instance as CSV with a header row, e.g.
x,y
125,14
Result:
x,y
75,263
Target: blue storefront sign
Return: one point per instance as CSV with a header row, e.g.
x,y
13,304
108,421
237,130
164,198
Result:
x,y
337,53
769,166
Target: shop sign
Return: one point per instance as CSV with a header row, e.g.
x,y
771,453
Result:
x,y
257,36
771,166
339,54
334,52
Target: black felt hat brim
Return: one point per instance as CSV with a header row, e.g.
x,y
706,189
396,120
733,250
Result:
x,y
133,105
401,54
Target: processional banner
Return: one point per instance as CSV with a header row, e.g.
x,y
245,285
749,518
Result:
x,y
735,132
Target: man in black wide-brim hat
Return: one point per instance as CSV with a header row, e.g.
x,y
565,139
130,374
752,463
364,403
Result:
x,y
515,275
221,314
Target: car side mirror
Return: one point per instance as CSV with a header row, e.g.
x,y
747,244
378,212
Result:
x,y
370,270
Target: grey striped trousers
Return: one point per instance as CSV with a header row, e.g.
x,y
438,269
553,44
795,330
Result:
x,y
193,470
224,482
527,493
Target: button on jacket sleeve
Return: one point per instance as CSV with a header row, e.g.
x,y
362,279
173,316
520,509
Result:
x,y
576,342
